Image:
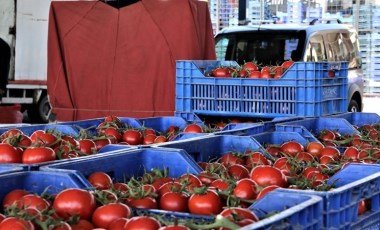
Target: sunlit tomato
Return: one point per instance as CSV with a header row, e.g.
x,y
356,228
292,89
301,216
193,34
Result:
x,y
118,224
143,223
304,157
219,184
238,171
174,201
87,146
82,224
43,138
325,160
232,158
34,155
14,132
74,201
246,189
113,132
266,190
265,175
32,201
327,135
101,142
207,203
256,158
104,215
351,153
207,177
147,202
274,151
221,72
314,148
254,74
133,137
9,154
13,196
16,224
276,71
250,66
190,180
193,128
287,64
160,139
330,151
100,180
170,186
291,148
284,164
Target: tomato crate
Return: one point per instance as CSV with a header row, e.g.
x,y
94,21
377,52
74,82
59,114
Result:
x,y
353,183
9,168
279,137
359,118
290,211
210,148
123,165
39,182
305,90
309,127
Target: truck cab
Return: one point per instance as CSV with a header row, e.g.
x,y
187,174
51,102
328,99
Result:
x,y
317,41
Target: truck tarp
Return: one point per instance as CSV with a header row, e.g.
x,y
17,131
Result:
x,y
108,61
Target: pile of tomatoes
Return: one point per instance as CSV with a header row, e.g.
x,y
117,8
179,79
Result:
x,y
252,70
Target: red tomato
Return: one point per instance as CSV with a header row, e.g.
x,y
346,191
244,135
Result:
x,y
327,135
13,196
284,164
2,217
207,177
266,190
118,224
149,139
160,139
100,180
232,158
9,154
43,138
82,224
174,201
265,175
239,215
238,172
113,132
256,158
16,224
330,151
190,180
33,201
254,74
287,64
143,223
69,140
250,66
100,143
174,227
169,187
74,201
314,148
133,137
11,133
221,72
87,146
351,153
62,226
142,202
104,215
208,203
220,184
246,189
34,155
158,182
291,148
193,128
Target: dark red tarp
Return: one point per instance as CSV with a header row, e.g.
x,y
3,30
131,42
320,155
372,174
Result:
x,y
107,61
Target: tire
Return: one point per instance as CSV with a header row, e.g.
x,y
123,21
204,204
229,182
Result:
x,y
40,113
353,106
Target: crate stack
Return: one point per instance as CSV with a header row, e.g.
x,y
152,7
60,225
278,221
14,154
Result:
x,y
369,36
296,11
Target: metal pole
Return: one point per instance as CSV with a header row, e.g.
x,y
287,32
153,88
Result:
x,y
242,12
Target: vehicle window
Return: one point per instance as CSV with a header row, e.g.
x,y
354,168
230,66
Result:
x,y
337,49
315,51
221,48
355,61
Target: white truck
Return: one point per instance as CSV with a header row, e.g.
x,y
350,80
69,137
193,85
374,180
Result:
x,y
24,27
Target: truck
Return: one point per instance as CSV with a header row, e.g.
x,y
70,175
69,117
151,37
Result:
x,y
26,81
55,78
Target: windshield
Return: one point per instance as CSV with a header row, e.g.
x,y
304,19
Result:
x,y
263,47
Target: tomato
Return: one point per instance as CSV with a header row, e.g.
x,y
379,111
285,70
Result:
x,y
250,66
174,201
239,215
9,154
104,215
254,74
314,148
32,201
325,160
287,64
74,201
118,224
149,139
174,227
193,128
69,140
133,137
170,186
304,157
34,155
113,132
13,196
246,189
142,202
221,72
265,175
143,223
308,172
351,153
291,148
2,217
87,146
274,151
207,203
330,151
82,224
100,180
238,172
43,138
62,226
16,224
190,180
266,190
276,71
284,165
256,158
219,184
101,142
242,73
232,158
207,177
327,135
160,139
11,133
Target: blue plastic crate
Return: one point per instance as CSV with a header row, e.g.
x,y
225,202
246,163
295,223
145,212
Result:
x,y
9,168
359,118
123,165
161,124
304,90
293,211
279,137
29,129
340,205
39,182
310,126
212,147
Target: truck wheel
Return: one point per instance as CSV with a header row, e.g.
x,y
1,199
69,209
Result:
x,y
40,113
353,106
